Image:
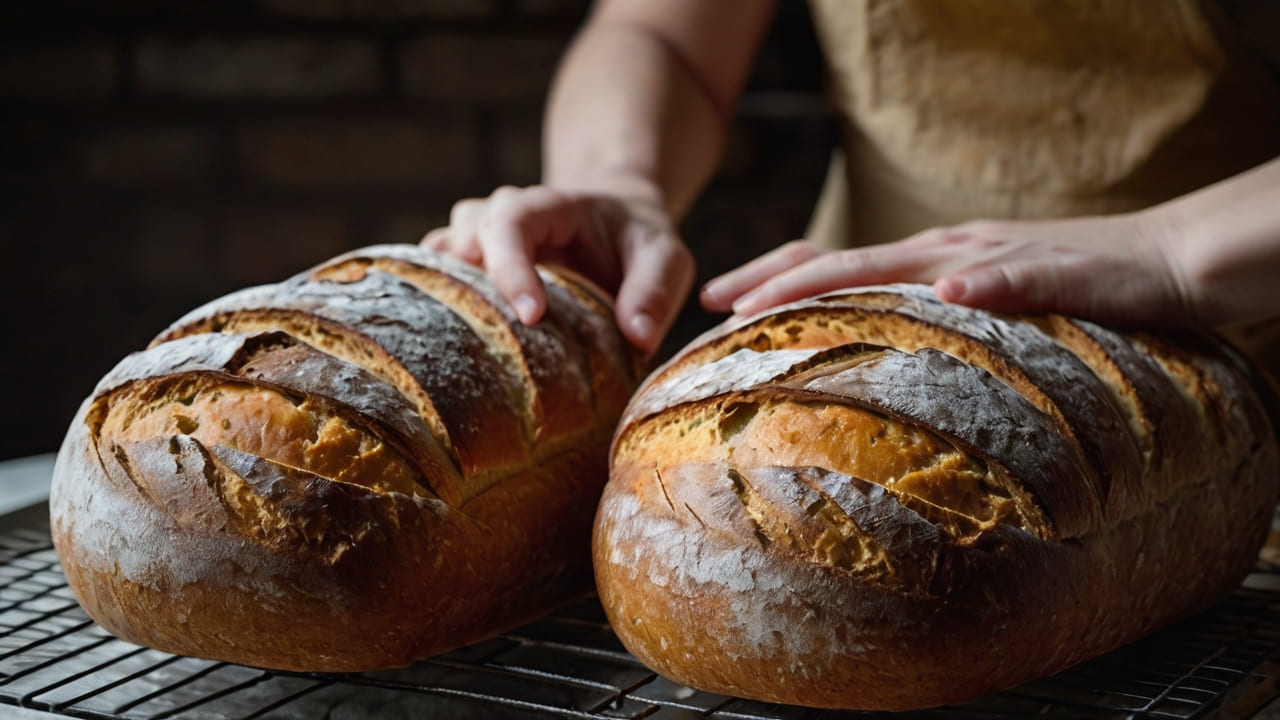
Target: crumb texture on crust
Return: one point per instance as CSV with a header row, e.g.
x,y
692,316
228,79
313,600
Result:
x,y
885,502
362,465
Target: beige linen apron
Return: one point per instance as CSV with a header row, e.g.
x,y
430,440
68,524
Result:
x,y
954,110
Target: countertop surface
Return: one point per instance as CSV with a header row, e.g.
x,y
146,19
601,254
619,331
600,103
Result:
x,y
24,481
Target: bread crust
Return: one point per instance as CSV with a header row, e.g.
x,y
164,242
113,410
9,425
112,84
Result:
x,y
343,471
983,547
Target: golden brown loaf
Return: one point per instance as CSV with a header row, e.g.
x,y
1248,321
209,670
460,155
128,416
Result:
x,y
874,500
361,466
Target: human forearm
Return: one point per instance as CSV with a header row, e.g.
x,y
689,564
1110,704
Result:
x,y
634,128
642,100
1225,240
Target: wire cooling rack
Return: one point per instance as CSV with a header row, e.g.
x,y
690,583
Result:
x,y
54,661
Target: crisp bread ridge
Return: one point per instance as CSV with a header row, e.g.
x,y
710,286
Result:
x,y
871,500
367,463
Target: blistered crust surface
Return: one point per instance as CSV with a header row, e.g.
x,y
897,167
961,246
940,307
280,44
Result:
x,y
872,500
357,467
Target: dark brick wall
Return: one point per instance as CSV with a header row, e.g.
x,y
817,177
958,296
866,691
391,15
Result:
x,y
154,155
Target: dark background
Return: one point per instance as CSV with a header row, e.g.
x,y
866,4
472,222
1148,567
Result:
x,y
154,155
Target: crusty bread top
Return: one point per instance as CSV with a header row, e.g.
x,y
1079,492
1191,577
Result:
x,y
390,370
366,464
1053,425
495,395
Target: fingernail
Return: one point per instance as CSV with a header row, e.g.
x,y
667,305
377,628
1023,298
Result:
x,y
643,327
950,289
709,291
526,307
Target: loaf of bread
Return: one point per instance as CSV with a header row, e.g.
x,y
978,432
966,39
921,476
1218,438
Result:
x,y
369,463
873,500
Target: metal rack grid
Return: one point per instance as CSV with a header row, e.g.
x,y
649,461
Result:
x,y
54,660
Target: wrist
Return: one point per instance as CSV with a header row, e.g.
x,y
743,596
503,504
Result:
x,y
623,185
1224,257
1166,239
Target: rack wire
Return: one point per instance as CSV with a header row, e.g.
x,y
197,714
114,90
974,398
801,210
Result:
x,y
1224,663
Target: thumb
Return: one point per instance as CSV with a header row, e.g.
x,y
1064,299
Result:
x,y
1015,286
1096,289
658,272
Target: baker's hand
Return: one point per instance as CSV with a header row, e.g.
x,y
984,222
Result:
x,y
1119,269
627,244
